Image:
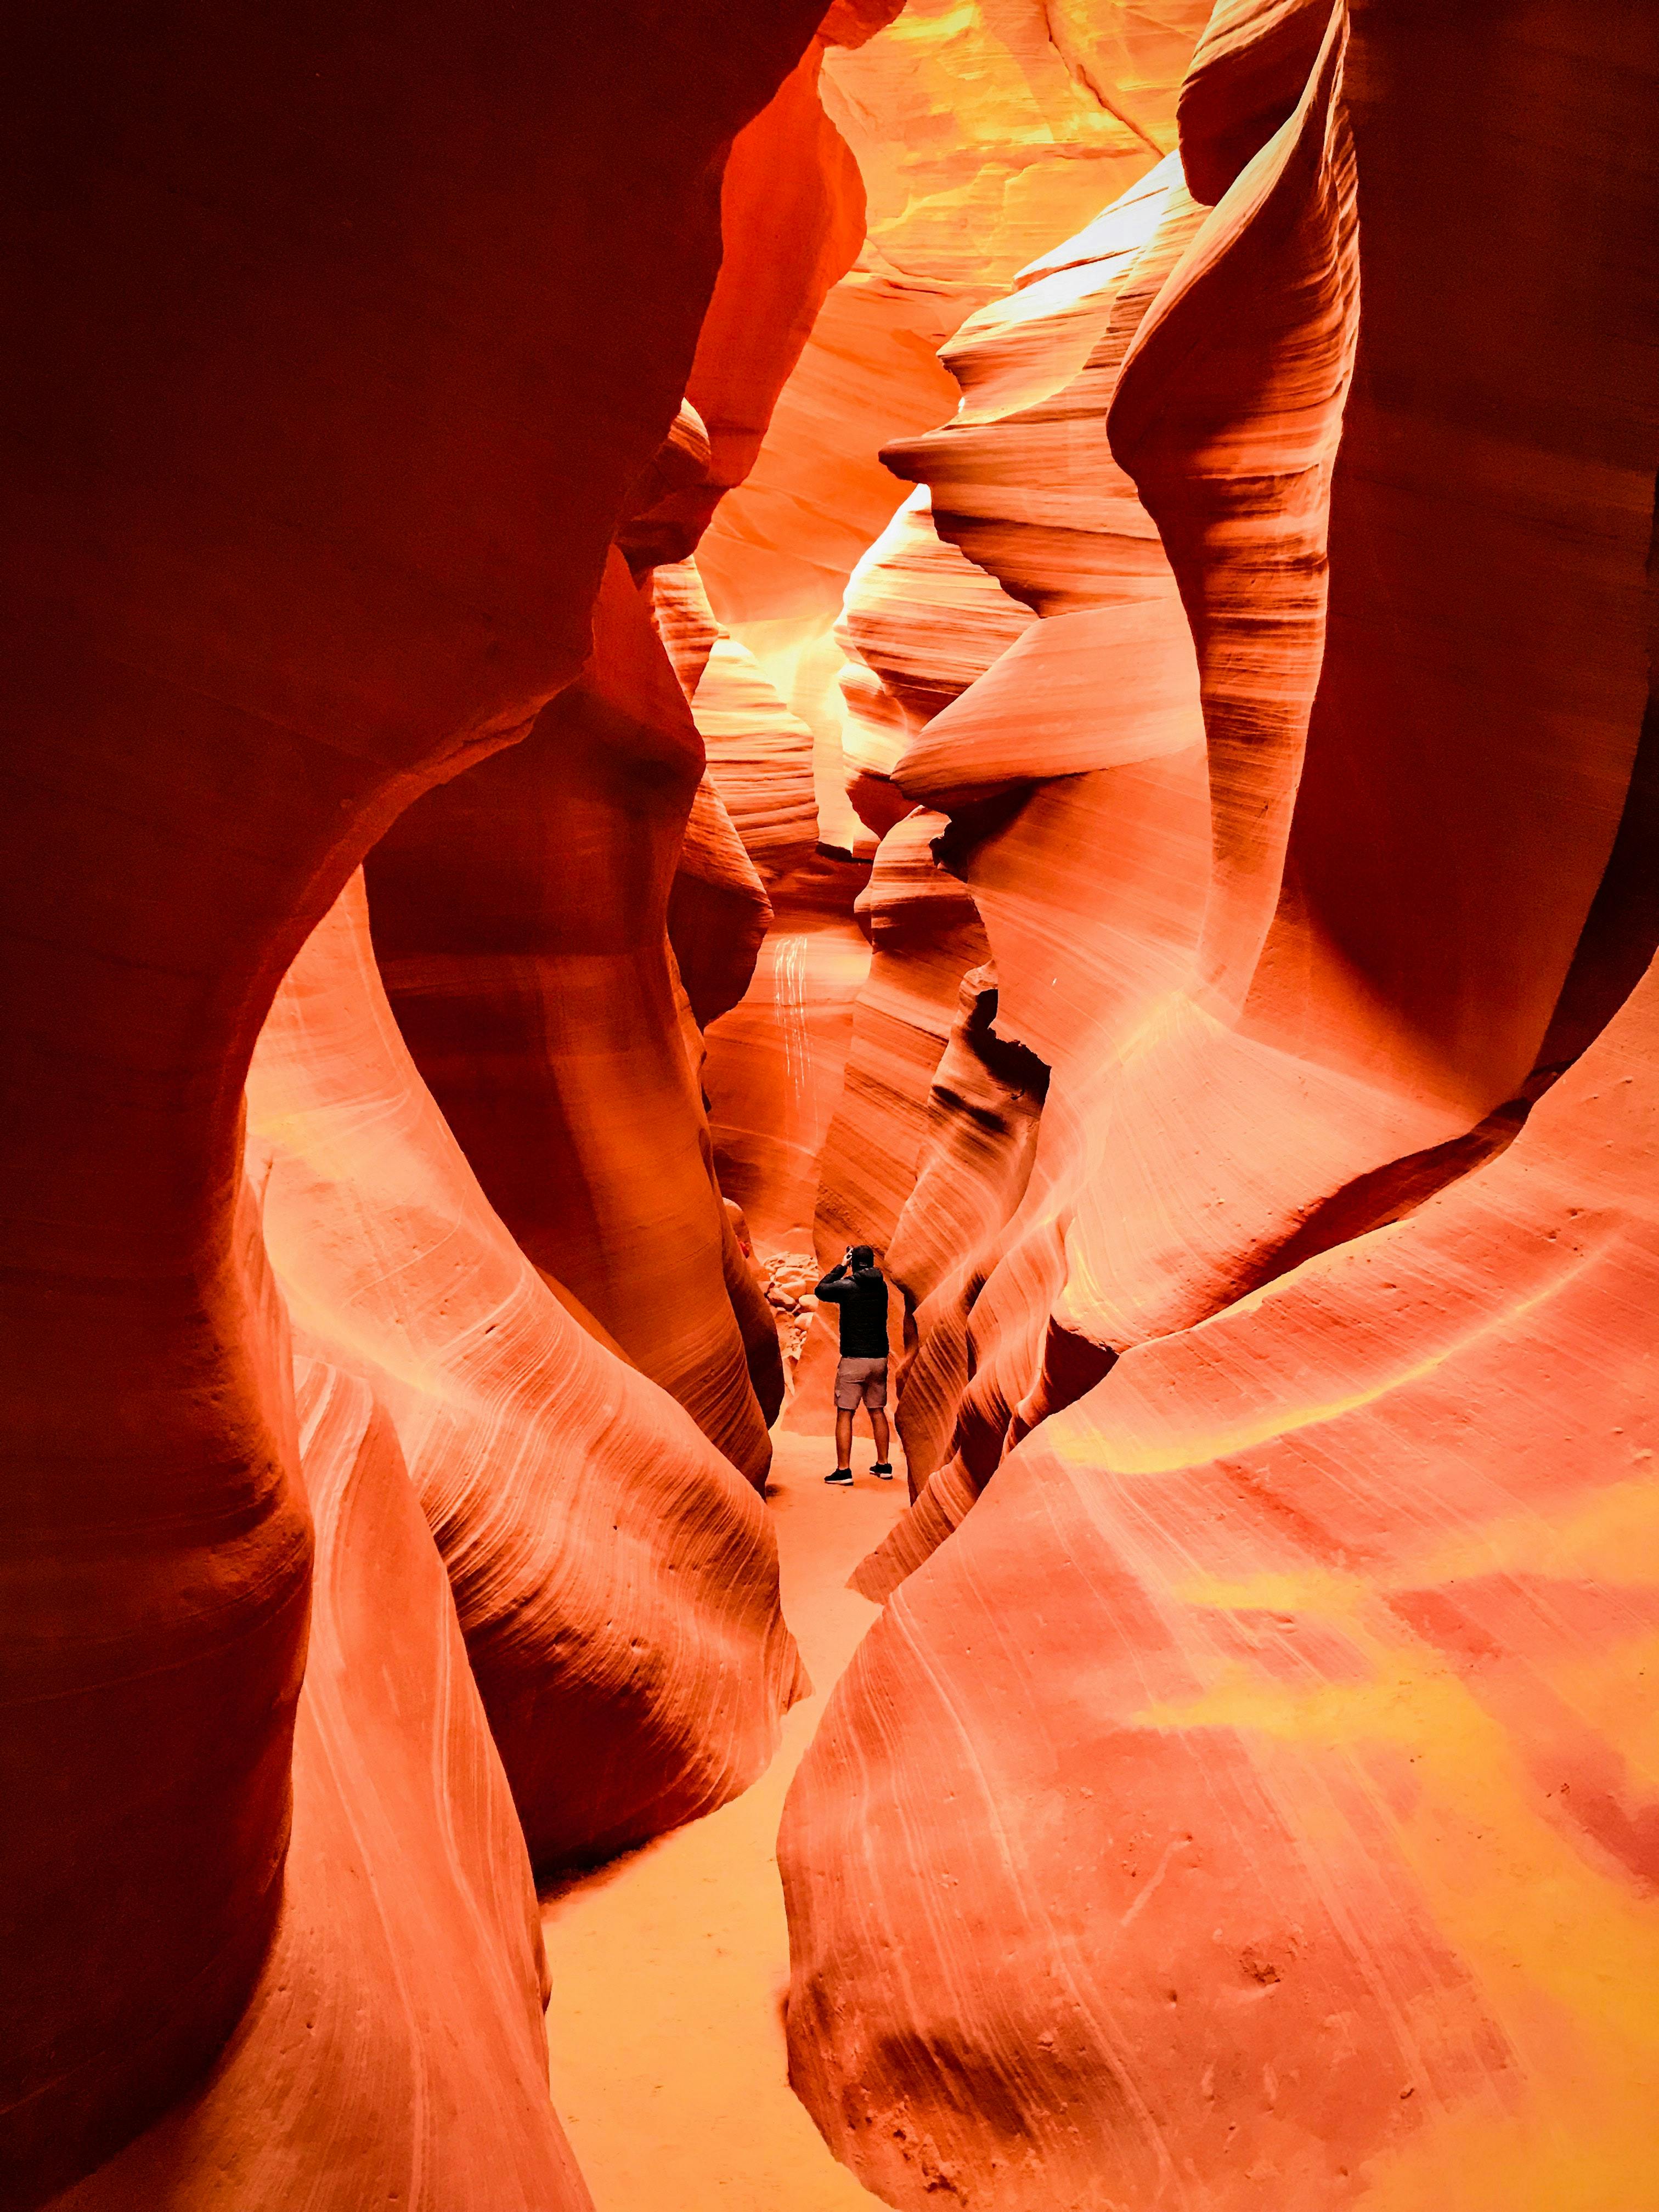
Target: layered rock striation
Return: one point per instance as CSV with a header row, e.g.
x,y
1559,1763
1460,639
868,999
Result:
x,y
392,2046
616,1581
520,916
338,345
1211,1808
1254,1783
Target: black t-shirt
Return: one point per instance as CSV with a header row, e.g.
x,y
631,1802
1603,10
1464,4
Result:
x,y
862,1298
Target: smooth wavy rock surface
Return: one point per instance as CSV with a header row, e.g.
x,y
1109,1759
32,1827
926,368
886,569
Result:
x,y
925,934
1256,1790
307,307
792,220
1084,738
760,759
616,1582
918,624
775,1062
1249,1795
985,131
718,910
520,916
1245,80
1315,1068
972,705
392,2049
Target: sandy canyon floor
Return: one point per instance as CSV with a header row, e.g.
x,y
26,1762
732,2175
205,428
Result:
x,y
670,1965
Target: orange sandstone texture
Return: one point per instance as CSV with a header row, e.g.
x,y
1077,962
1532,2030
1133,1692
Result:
x,y
792,220
985,131
921,622
536,997
1249,1793
1282,1095
760,759
775,1062
718,910
1084,739
1257,1785
945,594
339,343
391,2051
519,916
759,755
617,1581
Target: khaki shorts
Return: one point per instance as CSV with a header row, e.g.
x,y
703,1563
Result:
x,y
860,1382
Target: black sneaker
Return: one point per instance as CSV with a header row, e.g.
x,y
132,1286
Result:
x,y
883,1467
842,1475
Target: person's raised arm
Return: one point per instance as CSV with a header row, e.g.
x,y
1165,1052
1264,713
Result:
x,y
834,1282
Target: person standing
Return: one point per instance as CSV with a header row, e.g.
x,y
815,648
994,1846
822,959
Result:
x,y
858,1288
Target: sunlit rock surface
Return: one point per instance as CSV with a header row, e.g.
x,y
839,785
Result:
x,y
775,1062
1247,1791
1167,855
1084,736
760,759
616,1582
391,2051
1257,1783
985,131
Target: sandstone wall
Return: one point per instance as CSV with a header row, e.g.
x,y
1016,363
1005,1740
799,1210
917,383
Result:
x,y
338,343
1210,1811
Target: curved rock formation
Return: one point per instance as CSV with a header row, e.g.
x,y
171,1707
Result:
x,y
1254,1784
718,910
337,343
775,1062
1084,736
920,623
393,2048
616,1583
760,759
925,934
1247,1793
1255,1775
1170,1195
792,217
519,916
985,131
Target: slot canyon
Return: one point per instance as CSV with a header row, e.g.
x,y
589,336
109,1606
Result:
x,y
649,643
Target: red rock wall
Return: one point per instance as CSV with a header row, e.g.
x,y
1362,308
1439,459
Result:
x,y
519,916
337,343
393,2048
984,133
775,1062
1254,1784
1084,735
616,1581
1172,1195
1213,1811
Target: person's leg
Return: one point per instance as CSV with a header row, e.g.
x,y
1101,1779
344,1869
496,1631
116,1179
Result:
x,y
843,1440
846,1399
875,1400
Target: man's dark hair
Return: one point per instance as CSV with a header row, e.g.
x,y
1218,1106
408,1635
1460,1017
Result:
x,y
863,1256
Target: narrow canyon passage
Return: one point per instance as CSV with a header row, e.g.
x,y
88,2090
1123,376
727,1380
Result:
x,y
656,647
670,1966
